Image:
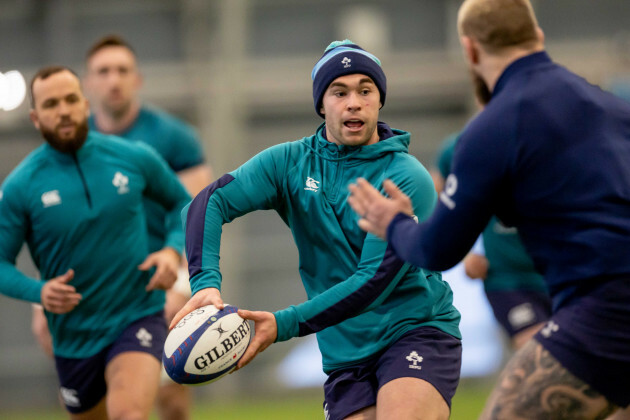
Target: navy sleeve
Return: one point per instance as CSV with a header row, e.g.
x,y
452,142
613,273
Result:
x,y
469,198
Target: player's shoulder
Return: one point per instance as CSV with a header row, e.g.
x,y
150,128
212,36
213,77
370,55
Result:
x,y
158,117
279,158
35,163
405,165
118,147
288,149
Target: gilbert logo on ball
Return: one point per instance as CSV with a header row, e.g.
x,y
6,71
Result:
x,y
205,345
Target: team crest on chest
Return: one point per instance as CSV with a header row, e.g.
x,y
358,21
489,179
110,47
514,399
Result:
x,y
121,182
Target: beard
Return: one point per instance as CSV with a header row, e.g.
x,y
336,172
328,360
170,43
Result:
x,y
66,145
482,92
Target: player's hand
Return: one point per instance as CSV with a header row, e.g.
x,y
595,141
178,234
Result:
x,y
476,266
58,296
166,262
209,296
265,334
377,211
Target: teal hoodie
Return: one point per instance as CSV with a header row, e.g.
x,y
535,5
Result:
x,y
361,298
84,211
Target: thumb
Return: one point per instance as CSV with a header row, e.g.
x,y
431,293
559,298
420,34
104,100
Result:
x,y
147,263
245,314
67,276
392,190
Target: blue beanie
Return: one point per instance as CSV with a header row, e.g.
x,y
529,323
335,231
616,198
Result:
x,y
340,59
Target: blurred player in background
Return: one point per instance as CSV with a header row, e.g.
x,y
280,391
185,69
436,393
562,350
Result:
x,y
549,154
112,84
77,201
515,290
388,332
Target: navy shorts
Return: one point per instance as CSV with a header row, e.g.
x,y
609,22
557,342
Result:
x,y
425,353
590,337
517,310
82,381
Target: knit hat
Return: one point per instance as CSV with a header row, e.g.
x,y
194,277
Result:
x,y
340,59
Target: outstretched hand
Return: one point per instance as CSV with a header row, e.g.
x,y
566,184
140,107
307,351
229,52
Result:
x,y
58,296
377,211
265,334
209,296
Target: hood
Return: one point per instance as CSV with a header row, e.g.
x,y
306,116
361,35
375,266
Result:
x,y
391,140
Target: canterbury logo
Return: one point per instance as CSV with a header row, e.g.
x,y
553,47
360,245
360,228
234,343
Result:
x,y
311,184
51,198
69,397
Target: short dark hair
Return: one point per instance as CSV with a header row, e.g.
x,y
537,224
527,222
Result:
x,y
111,40
44,73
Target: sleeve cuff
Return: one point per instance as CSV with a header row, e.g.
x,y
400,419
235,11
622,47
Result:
x,y
287,321
175,241
198,283
400,217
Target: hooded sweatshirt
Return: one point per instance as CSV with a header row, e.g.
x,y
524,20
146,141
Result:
x,y
361,297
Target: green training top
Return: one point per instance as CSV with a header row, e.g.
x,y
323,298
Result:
x,y
84,211
178,143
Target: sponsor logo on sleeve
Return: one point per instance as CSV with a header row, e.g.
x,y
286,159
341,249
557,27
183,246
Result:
x,y
450,187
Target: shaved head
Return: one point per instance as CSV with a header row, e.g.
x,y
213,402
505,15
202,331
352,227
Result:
x,y
499,24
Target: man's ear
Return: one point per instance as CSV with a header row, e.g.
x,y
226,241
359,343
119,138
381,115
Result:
x,y
321,110
33,115
471,49
139,80
540,34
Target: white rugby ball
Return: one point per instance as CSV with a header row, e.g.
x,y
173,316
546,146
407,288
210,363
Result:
x,y
205,345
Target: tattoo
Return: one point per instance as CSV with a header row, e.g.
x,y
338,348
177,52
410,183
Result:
x,y
535,386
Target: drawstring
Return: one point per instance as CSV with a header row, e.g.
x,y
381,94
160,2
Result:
x,y
332,159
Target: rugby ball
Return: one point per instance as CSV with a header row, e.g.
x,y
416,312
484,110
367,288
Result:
x,y
205,345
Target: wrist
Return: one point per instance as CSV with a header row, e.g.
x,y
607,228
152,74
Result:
x,y
175,253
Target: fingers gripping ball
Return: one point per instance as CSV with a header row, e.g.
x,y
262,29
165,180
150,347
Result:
x,y
205,345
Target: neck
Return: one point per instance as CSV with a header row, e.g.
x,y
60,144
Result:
x,y
112,123
495,64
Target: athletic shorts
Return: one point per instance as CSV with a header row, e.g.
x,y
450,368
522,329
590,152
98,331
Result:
x,y
82,381
517,310
425,353
590,337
